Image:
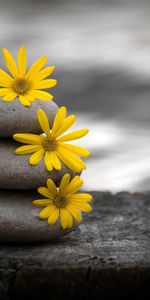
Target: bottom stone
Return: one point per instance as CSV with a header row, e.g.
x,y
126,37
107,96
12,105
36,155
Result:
x,y
19,221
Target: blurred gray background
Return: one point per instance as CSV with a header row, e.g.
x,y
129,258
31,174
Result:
x,y
101,50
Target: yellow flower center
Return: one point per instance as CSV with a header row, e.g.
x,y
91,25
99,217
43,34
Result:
x,y
49,144
60,201
21,86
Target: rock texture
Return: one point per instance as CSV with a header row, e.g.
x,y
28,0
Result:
x,y
109,257
15,118
17,173
19,221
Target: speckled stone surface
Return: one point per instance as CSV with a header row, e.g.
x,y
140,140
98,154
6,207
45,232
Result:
x,y
19,221
17,173
15,118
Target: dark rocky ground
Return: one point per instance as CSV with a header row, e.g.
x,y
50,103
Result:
x,y
109,255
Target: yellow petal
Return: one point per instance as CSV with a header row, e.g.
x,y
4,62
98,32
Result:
x,y
75,213
76,149
36,157
43,73
5,79
73,135
52,187
66,219
36,67
80,197
28,138
45,84
70,160
53,217
74,185
42,95
27,149
66,124
10,97
42,202
43,120
24,100
47,211
45,192
64,182
5,91
55,161
10,63
85,207
59,118
22,61
47,161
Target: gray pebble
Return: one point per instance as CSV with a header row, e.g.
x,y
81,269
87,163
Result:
x,y
17,173
16,118
19,221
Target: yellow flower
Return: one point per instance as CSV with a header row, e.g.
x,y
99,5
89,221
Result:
x,y
63,202
25,84
53,144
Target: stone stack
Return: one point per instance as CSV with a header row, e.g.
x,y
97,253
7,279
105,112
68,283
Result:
x,y
19,180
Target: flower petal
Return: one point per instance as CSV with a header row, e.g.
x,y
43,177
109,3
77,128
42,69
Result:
x,y
36,157
74,212
66,124
42,95
36,67
85,207
73,135
42,202
58,120
28,138
24,100
45,84
76,149
47,211
55,161
5,79
64,182
43,120
10,63
52,187
22,61
10,97
27,149
53,217
5,91
66,218
70,160
74,185
47,161
83,197
45,192
43,73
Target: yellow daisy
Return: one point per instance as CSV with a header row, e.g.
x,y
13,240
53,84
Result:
x,y
63,202
23,83
52,145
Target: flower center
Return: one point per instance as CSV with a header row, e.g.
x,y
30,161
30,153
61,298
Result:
x,y
49,144
60,201
21,86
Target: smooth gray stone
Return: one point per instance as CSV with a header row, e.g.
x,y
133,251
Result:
x,y
17,173
16,118
19,221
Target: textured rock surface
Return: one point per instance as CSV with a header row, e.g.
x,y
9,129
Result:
x,y
19,221
15,118
108,257
17,173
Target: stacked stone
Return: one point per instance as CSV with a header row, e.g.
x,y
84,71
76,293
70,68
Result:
x,y
19,180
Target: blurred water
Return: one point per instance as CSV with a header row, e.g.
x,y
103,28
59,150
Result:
x,y
102,53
